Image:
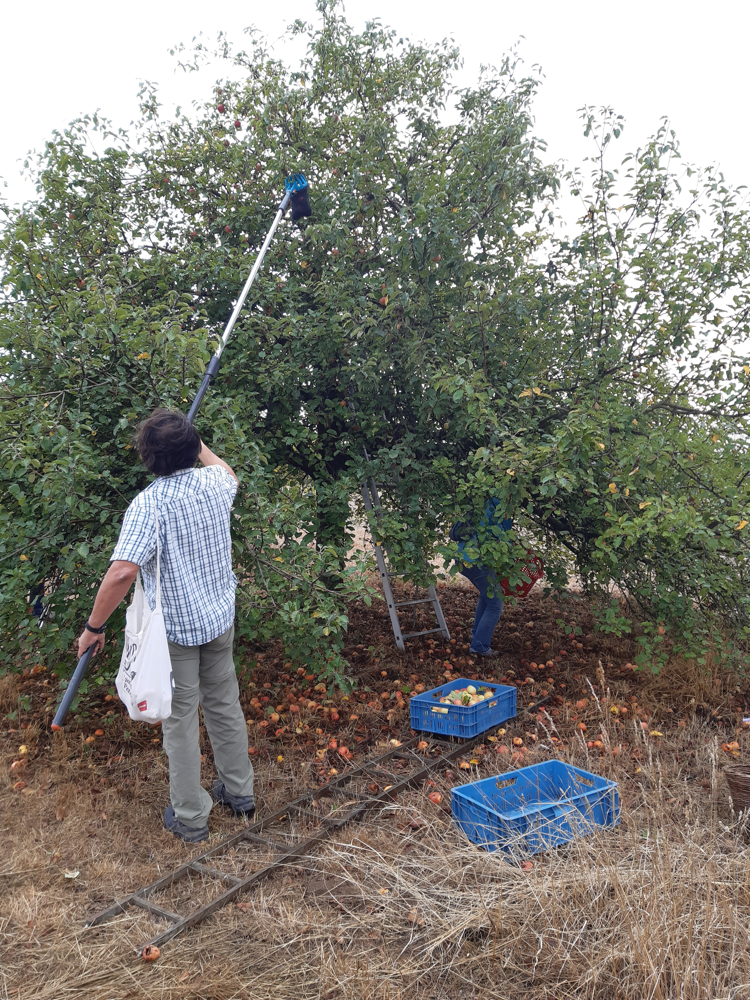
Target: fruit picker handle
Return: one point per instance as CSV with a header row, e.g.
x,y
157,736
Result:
x,y
215,362
72,689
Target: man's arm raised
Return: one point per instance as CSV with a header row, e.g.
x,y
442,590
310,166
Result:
x,y
207,457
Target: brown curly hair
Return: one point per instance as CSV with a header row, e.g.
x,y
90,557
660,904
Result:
x,y
167,442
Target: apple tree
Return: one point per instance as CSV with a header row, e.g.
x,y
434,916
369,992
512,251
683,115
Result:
x,y
118,276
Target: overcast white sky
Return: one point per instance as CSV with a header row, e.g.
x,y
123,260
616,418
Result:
x,y
647,58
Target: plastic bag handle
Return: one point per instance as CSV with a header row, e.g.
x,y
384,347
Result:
x,y
157,606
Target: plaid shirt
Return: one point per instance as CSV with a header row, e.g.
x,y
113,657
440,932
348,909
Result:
x,y
197,582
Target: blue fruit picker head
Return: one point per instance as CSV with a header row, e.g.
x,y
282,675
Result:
x,y
296,186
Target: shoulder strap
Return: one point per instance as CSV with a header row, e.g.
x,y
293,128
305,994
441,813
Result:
x,y
158,559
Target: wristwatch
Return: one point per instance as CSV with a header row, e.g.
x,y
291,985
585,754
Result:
x,y
91,628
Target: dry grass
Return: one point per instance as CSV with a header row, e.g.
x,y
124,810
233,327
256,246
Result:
x,y
8,693
656,908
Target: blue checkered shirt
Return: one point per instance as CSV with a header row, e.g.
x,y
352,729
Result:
x,y
197,582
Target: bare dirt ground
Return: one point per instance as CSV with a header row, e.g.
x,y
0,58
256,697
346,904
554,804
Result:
x,y
402,906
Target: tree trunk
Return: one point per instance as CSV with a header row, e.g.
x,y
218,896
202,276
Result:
x,y
331,526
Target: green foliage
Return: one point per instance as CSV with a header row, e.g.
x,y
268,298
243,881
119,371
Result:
x,y
429,315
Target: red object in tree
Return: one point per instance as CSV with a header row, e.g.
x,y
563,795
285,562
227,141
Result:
x,y
533,569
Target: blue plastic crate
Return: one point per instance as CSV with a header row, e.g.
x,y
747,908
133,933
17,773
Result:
x,y
428,715
534,808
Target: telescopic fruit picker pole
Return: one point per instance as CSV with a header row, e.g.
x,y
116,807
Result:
x,y
296,195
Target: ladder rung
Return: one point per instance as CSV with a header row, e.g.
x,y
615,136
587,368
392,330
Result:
x,y
306,814
263,841
403,604
214,873
158,911
427,631
344,812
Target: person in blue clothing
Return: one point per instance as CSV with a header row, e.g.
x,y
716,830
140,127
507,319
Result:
x,y
489,604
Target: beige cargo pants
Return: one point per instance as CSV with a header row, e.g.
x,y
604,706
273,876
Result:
x,y
205,675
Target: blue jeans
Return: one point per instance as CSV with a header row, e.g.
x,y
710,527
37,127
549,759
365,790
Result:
x,y
488,610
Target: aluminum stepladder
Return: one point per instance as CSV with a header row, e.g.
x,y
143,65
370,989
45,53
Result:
x,y
372,504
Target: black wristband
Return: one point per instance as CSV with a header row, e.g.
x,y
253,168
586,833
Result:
x,y
91,628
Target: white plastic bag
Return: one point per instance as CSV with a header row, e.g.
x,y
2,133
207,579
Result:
x,y
144,680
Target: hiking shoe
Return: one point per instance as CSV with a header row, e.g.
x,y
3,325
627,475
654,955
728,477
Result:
x,y
486,652
190,834
243,805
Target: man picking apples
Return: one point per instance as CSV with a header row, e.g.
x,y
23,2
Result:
x,y
197,588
